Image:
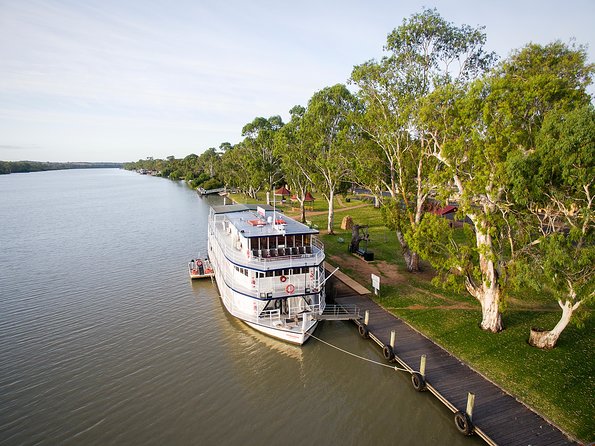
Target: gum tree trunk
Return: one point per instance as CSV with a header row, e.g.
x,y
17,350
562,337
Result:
x,y
331,211
547,339
303,210
488,292
411,258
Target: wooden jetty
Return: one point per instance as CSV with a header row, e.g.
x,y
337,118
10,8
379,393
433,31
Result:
x,y
202,191
480,407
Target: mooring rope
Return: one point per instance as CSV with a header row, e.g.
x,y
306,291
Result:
x,y
360,357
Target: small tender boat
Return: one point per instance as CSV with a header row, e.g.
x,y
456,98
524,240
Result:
x,y
200,268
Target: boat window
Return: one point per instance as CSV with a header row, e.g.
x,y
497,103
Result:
x,y
307,240
269,273
289,241
297,270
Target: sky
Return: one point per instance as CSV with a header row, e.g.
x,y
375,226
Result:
x,y
122,80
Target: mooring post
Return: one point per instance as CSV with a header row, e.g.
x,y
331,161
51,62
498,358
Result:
x,y
422,366
470,404
367,317
393,335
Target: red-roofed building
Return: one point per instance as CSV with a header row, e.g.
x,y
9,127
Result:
x,y
283,191
445,210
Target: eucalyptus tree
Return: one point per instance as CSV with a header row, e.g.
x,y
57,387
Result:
x,y
556,185
292,149
424,52
242,170
331,139
259,141
476,131
209,161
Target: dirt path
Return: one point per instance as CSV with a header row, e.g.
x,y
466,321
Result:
x,y
308,213
390,275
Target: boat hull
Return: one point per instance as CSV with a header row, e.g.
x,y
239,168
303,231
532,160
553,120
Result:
x,y
199,276
285,335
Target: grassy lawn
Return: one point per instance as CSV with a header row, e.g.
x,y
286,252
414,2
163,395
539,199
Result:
x,y
557,383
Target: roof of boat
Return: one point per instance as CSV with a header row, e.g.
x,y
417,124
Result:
x,y
250,223
226,209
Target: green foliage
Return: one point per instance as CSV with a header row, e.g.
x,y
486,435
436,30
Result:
x,y
212,183
420,59
331,139
7,167
259,146
555,183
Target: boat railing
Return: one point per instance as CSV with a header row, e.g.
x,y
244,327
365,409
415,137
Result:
x,y
270,315
299,310
274,289
311,255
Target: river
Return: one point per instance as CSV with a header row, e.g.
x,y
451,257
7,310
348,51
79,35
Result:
x,y
105,340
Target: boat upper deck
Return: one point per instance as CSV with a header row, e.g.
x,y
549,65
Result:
x,y
259,221
261,238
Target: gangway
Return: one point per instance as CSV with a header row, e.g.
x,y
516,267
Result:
x,y
339,313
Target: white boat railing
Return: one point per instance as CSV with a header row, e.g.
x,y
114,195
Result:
x,y
269,287
244,256
270,315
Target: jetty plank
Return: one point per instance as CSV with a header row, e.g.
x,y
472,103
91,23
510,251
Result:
x,y
497,416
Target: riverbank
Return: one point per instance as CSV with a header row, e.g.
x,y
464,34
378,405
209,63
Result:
x,y
7,167
557,383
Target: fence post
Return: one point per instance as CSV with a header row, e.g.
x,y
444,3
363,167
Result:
x,y
367,317
393,335
422,366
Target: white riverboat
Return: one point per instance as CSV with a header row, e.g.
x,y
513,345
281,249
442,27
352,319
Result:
x,y
269,269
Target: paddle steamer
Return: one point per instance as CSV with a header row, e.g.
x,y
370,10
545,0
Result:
x,y
269,269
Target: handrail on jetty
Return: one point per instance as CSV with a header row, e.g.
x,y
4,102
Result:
x,y
339,313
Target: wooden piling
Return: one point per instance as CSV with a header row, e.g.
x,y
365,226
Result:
x,y
393,336
470,404
422,366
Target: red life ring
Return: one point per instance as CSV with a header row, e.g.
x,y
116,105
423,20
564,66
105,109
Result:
x,y
199,262
289,289
283,278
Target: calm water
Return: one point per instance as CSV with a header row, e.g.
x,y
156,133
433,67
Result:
x,y
105,340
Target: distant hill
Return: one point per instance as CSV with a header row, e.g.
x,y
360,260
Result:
x,y
7,167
